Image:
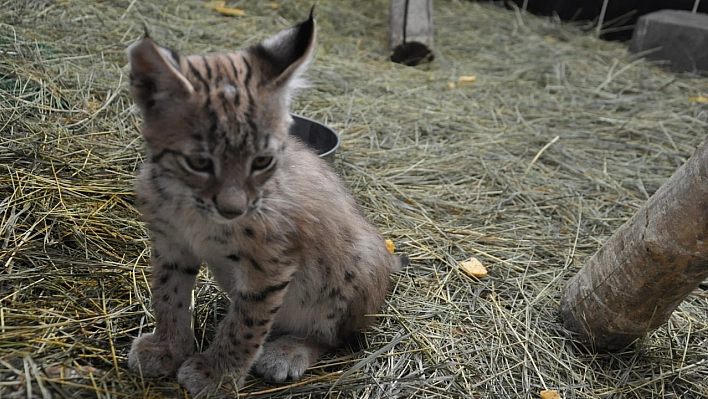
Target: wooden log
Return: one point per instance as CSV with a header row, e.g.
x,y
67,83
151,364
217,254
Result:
x,y
647,267
411,31
664,32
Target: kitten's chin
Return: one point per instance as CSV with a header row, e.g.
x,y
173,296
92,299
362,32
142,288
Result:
x,y
226,221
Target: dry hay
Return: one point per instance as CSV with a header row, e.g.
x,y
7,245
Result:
x,y
447,172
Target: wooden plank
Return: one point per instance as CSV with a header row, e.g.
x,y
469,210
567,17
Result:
x,y
411,31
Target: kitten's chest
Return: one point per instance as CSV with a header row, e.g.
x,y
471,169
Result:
x,y
222,248
214,242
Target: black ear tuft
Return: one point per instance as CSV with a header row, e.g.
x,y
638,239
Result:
x,y
283,54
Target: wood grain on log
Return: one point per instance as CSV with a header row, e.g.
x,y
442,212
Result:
x,y
648,267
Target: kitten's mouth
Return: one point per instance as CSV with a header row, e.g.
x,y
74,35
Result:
x,y
222,216
221,219
228,219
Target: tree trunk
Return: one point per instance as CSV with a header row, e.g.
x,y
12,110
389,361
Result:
x,y
648,267
411,31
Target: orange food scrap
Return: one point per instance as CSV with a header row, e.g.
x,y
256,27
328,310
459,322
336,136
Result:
x,y
467,79
699,99
390,246
94,105
473,267
274,5
229,12
548,394
451,85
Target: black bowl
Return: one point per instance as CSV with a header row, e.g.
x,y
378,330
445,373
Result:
x,y
318,136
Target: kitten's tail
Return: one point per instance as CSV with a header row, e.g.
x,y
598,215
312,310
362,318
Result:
x,y
400,263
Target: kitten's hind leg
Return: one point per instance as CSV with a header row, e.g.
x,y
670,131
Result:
x,y
288,357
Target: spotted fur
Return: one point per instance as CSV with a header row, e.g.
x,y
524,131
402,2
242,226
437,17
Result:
x,y
226,184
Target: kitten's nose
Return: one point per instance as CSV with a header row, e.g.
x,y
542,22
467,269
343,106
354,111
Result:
x,y
230,203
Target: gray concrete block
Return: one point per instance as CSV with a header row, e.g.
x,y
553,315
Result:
x,y
674,35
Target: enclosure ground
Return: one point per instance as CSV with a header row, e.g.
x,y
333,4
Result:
x,y
529,167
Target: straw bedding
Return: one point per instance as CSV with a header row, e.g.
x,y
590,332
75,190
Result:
x,y
530,168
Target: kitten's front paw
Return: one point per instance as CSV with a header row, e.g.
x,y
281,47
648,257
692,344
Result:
x,y
198,376
153,358
284,358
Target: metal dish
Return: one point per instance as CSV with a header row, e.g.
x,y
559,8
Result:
x,y
322,139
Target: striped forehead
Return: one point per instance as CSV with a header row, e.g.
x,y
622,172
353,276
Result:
x,y
209,71
224,83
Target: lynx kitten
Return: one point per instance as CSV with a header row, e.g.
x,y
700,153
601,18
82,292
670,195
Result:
x,y
226,184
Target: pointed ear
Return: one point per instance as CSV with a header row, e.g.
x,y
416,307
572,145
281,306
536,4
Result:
x,y
283,58
155,74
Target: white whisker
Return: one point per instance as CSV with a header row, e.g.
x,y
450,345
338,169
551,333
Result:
x,y
276,212
292,204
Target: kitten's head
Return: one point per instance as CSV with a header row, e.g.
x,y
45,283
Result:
x,y
216,125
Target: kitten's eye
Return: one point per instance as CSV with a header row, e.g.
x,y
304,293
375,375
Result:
x,y
199,163
260,163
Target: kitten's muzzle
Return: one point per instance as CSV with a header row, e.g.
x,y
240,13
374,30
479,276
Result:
x,y
230,203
